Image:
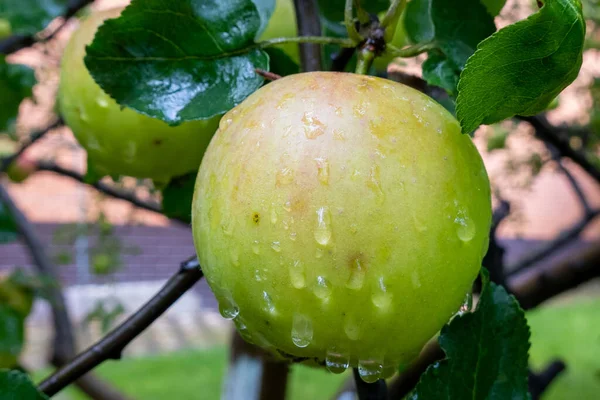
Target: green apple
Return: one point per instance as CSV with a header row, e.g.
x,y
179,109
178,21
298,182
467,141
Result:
x,y
341,218
5,30
283,25
123,141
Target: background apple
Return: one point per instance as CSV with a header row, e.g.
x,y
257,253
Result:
x,y
123,141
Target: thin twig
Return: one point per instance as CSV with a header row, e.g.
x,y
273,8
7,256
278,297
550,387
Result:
x,y
270,76
585,204
555,136
34,137
349,22
309,24
102,187
111,346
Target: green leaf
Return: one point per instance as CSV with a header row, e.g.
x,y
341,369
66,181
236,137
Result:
x,y
523,67
333,10
15,385
439,71
31,16
457,26
280,63
12,335
494,6
177,197
8,229
16,83
179,60
486,352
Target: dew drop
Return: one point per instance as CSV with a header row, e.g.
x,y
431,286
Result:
x,y
338,135
467,304
357,276
351,329
227,307
302,330
370,370
466,227
312,126
293,236
268,305
102,102
256,247
258,275
374,181
323,229
322,289
227,227
416,280
388,370
319,253
322,170
297,276
381,298
285,176
336,361
353,228
273,216
235,259
287,206
276,246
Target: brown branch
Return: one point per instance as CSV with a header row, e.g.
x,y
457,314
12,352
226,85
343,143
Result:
x,y
64,339
309,24
112,345
34,137
556,136
538,383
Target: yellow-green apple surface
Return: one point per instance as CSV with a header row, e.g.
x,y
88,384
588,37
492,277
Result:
x,y
4,28
123,141
341,218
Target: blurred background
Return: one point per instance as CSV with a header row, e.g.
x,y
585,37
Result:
x,y
113,256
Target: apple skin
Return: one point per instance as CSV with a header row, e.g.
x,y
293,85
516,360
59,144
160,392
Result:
x,y
282,24
123,142
341,218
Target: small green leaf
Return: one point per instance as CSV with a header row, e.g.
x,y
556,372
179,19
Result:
x,y
31,16
494,6
457,26
15,385
439,71
8,229
12,335
522,67
333,10
177,197
486,352
179,60
16,83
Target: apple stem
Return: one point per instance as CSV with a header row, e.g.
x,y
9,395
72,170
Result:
x,y
365,58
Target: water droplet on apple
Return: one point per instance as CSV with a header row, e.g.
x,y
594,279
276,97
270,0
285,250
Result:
x,y
374,182
336,361
466,227
273,216
297,276
322,170
322,289
357,275
227,307
268,305
312,126
102,102
293,235
256,247
302,330
381,298
287,206
370,370
416,280
319,253
351,329
323,229
285,176
276,246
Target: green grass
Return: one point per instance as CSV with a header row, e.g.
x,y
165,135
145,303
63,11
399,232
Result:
x,y
196,374
568,331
